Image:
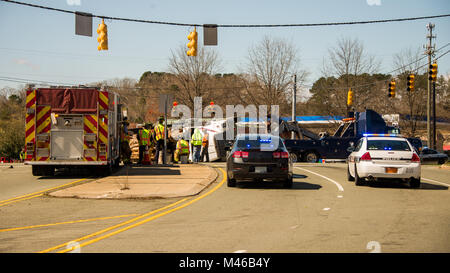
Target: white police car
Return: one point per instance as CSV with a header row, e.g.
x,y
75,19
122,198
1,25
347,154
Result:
x,y
377,157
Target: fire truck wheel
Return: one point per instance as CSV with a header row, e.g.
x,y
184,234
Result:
x,y
36,171
49,171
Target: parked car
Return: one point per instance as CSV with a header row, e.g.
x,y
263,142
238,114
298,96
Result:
x,y
431,156
257,157
383,157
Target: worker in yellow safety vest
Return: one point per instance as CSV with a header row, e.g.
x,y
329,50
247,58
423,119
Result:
x,y
159,137
182,149
196,141
144,141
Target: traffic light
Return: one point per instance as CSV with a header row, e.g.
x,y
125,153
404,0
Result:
x,y
391,91
192,45
175,104
102,36
433,72
410,82
350,97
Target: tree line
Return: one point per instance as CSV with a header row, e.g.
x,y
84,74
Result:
x,y
265,78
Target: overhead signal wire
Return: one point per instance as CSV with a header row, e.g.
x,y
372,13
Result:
x,y
232,25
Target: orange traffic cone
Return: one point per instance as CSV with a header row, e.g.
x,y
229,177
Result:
x,y
146,159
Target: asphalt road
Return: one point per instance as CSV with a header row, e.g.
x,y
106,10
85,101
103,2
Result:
x,y
323,212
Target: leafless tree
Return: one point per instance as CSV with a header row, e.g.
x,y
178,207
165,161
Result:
x,y
193,74
270,65
408,62
346,61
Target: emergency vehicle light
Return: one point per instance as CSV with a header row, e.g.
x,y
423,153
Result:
x,y
382,135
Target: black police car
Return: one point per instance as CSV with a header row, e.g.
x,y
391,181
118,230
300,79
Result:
x,y
257,157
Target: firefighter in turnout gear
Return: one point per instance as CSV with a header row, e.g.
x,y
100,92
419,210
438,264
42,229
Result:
x,y
125,151
159,137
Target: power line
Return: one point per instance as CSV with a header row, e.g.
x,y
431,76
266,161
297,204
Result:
x,y
232,25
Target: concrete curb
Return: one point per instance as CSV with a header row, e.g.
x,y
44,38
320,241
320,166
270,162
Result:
x,y
191,180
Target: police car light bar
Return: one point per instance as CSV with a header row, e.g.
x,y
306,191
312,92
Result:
x,y
382,135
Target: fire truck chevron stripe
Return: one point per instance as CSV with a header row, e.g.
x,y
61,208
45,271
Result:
x,y
90,124
43,119
31,98
29,129
103,133
30,118
103,100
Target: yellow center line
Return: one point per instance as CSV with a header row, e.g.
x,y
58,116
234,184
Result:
x,y
23,199
114,227
134,220
35,194
68,222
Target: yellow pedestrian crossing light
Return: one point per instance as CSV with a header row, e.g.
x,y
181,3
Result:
x,y
192,45
410,82
391,92
350,97
102,36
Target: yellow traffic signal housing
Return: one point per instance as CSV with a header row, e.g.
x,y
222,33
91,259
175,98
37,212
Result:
x,y
350,97
102,39
391,92
410,82
433,72
192,45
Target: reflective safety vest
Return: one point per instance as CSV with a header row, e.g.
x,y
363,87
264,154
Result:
x,y
144,136
183,147
159,132
205,140
197,138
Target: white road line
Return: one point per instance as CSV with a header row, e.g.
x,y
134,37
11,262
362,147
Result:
x,y
431,180
339,186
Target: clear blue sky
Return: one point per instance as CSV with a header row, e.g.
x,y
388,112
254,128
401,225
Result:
x,y
41,45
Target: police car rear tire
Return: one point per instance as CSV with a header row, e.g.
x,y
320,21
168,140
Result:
x,y
231,182
349,176
358,180
414,183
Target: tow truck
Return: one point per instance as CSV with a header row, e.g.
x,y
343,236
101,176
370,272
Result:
x,y
310,147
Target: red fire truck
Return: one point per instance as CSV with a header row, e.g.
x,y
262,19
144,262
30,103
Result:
x,y
72,127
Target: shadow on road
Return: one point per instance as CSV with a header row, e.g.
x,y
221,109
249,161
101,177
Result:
x,y
277,185
299,176
402,185
135,171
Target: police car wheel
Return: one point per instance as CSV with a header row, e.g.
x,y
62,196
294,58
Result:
x,y
231,182
358,180
349,176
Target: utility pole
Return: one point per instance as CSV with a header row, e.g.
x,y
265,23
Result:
x,y
434,116
294,102
429,51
